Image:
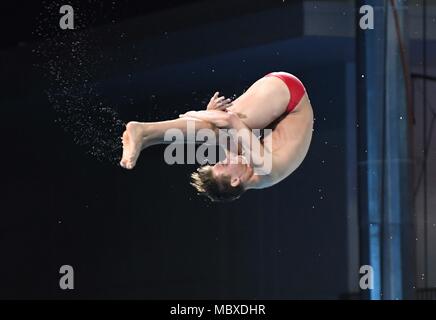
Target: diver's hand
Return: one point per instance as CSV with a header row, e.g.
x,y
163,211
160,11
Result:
x,y
220,119
218,103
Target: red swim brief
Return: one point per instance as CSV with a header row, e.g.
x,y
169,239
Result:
x,y
295,86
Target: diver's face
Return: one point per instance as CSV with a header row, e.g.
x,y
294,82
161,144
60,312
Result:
x,y
236,169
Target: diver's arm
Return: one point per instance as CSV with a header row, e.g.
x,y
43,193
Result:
x,y
254,150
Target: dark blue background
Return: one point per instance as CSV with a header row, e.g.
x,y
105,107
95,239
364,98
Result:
x,y
145,233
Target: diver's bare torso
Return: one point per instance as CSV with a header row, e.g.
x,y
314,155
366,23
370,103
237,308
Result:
x,y
264,105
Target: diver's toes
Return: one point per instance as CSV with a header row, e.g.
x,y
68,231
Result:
x,y
124,163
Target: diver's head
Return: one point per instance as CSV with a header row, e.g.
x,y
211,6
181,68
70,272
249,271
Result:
x,y
224,181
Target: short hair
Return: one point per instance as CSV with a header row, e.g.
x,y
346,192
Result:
x,y
217,190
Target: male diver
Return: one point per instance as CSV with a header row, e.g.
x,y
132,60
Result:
x,y
277,101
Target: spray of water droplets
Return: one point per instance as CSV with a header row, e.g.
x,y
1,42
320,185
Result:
x,y
66,64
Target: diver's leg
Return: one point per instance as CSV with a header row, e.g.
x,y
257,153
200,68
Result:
x,y
140,135
154,132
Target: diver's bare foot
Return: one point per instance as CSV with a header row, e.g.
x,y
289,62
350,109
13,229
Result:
x,y
132,144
